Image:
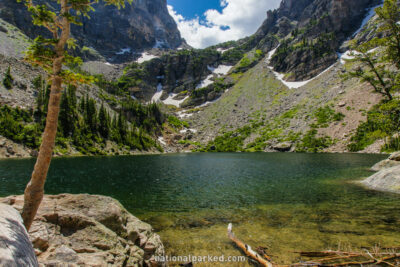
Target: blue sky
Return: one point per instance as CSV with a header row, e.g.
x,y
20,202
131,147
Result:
x,y
192,8
208,22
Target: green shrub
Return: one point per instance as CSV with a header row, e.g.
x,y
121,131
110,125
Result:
x,y
393,145
312,143
229,142
245,62
327,115
234,55
383,120
177,123
339,116
249,60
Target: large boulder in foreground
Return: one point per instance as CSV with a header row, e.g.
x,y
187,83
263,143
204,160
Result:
x,y
88,230
15,248
387,180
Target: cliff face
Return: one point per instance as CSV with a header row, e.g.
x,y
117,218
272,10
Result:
x,y
311,32
114,33
342,17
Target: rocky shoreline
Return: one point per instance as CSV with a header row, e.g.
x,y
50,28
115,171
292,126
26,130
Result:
x,y
90,230
387,178
12,150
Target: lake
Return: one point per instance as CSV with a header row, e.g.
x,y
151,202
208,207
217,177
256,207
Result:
x,y
285,202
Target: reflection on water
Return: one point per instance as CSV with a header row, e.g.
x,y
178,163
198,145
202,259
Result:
x,y
286,202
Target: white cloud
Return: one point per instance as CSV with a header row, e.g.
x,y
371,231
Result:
x,y
238,19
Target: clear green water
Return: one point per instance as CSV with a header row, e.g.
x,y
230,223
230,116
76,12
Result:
x,y
287,202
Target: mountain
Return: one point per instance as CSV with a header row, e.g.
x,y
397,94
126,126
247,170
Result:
x,y
116,35
280,89
288,90
267,110
92,120
311,32
307,36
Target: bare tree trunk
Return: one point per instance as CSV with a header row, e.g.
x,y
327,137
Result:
x,y
35,189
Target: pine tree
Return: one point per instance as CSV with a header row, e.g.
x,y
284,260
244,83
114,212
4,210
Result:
x,y
104,123
67,120
115,135
8,79
51,55
38,85
91,115
122,127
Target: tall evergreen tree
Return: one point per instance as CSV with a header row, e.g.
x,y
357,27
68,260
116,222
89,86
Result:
x,y
8,79
104,122
51,55
91,115
68,112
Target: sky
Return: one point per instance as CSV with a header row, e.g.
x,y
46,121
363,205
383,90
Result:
x,y
208,22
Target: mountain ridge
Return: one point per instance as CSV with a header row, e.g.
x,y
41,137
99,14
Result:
x,y
112,34
240,90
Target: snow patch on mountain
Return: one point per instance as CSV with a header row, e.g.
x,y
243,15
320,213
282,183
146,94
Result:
x,y
145,57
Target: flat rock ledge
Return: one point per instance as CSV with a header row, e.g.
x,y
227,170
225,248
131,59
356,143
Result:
x,y
90,230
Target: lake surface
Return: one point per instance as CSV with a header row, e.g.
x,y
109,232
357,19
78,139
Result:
x,y
286,202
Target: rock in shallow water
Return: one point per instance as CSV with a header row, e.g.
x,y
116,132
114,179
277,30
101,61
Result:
x,y
88,230
385,180
384,164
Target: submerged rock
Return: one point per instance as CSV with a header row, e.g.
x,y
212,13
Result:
x,y
89,230
15,247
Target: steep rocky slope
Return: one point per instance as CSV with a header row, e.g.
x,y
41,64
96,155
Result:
x,y
277,114
111,33
263,112
307,36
